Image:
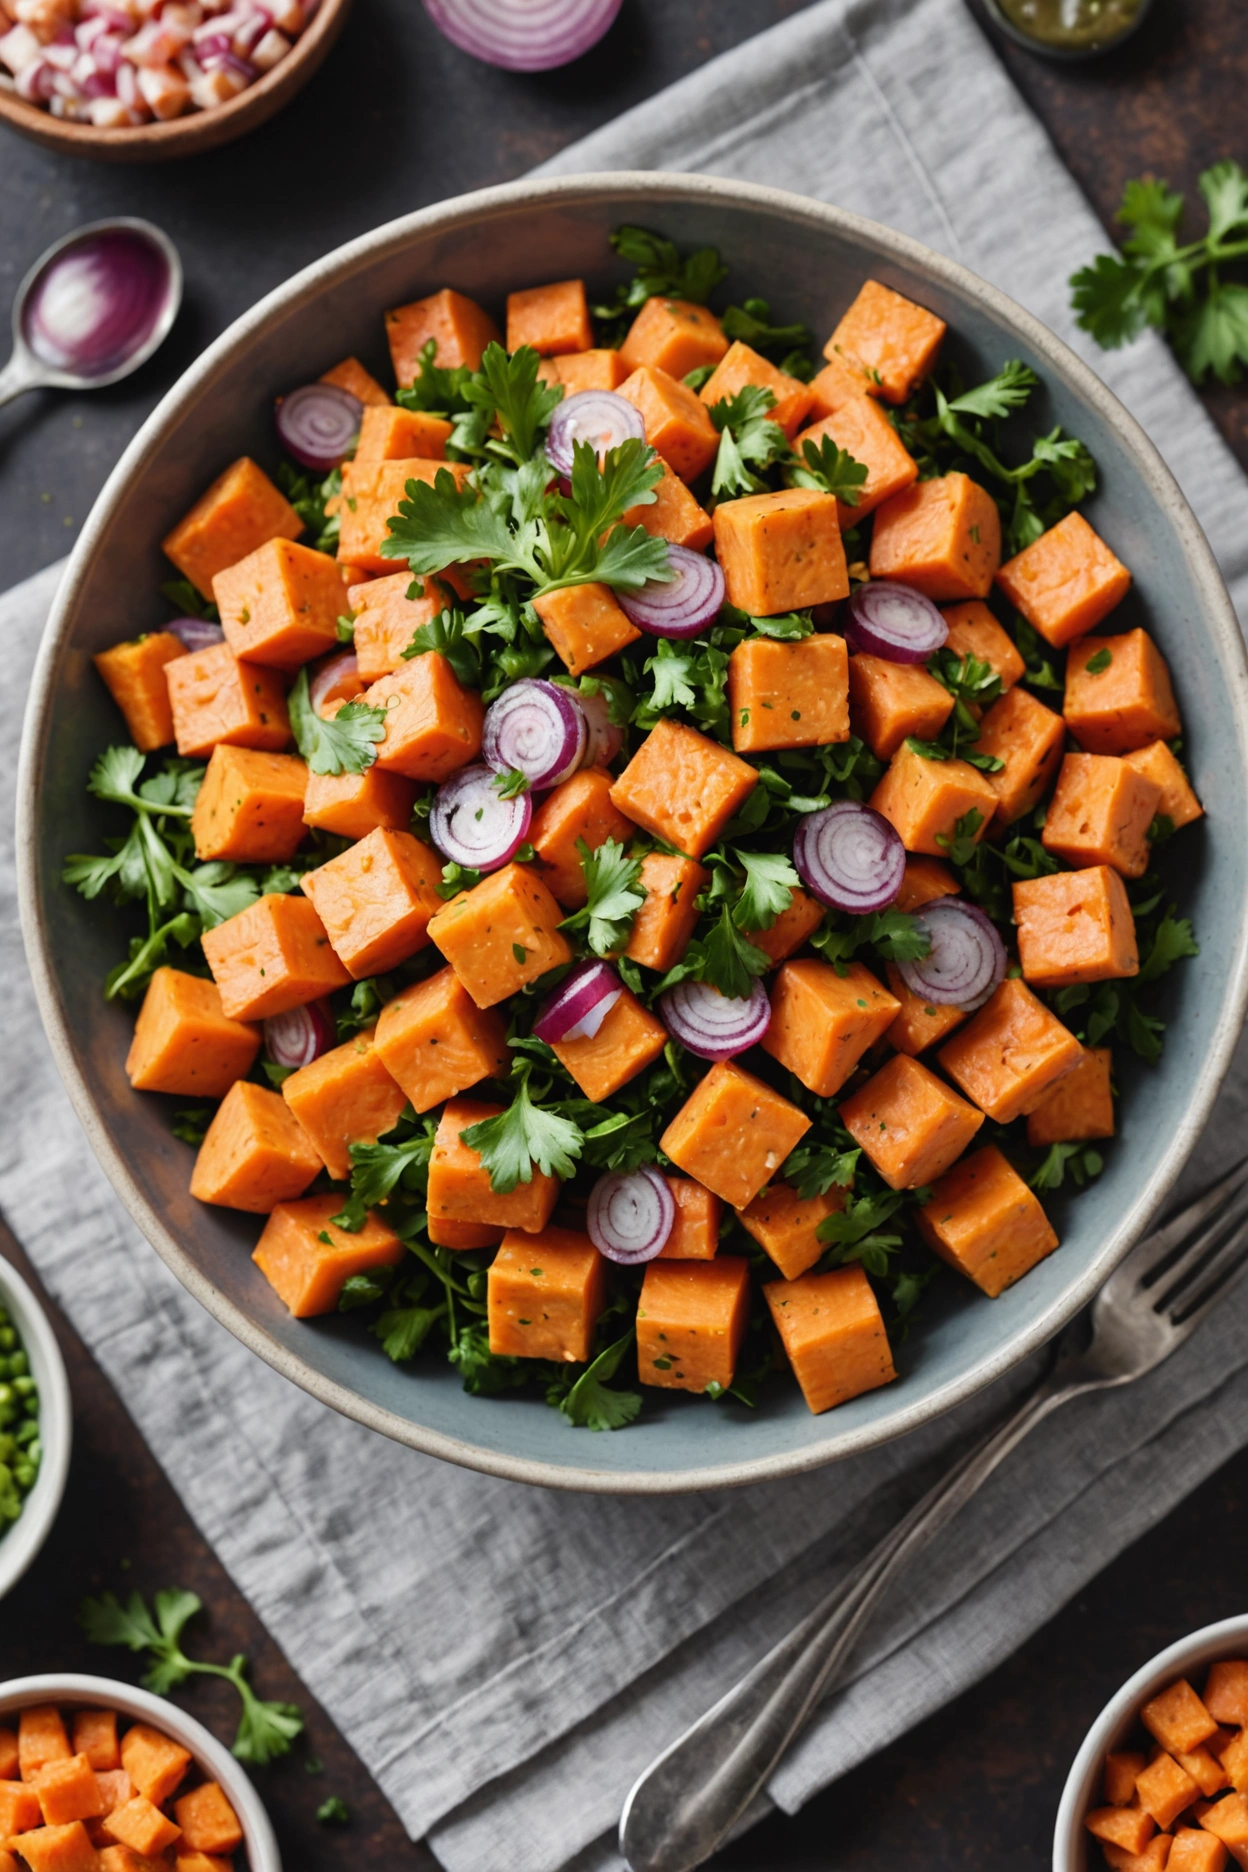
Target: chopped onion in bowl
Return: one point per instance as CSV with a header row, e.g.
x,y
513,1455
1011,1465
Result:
x,y
894,622
630,1215
850,857
715,1026
296,1038
536,728
967,961
580,1004
597,417
682,606
472,824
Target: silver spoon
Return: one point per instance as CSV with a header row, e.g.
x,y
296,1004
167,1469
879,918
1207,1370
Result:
x,y
93,308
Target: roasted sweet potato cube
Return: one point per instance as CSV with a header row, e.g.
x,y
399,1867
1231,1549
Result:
x,y
1164,1790
184,1042
629,1040
683,787
673,514
983,1220
691,1319
273,956
920,1022
1178,803
353,805
831,1328
134,675
392,434
836,384
786,1225
67,1791
1154,1858
822,1022
910,1123
585,624
250,806
209,1824
1226,1692
1100,814
1177,1718
154,1762
1118,694
8,1862
794,924
459,1184
461,1235
733,1133
115,1787
892,339
1011,1052
41,1739
345,1097
280,605
59,1849
240,511
941,536
376,900
1227,1820
665,922
741,366
352,377
597,369
1120,1772
1065,582
1029,738
545,1292
501,935
677,424
255,1154
9,1760
459,328
1232,1758
579,811
695,1232
1075,926
307,1259
974,632
386,619
433,723
925,880
892,701
142,1826
19,1806
1203,1765
1079,1106
550,319
861,428
786,695
371,492
435,1041
673,335
95,1736
924,800
781,552
1193,1851
215,698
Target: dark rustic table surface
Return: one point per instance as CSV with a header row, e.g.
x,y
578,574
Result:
x,y
397,119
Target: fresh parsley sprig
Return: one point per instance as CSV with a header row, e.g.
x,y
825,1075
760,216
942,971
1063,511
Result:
x,y
611,880
524,1137
788,346
662,271
829,470
749,442
337,744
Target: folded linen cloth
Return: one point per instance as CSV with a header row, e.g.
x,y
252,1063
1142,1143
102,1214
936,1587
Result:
x,y
506,1660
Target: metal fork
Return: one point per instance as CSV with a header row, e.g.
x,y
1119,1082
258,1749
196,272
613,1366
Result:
x,y
689,1799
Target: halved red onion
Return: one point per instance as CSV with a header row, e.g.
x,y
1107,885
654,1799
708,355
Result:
x,y
605,738
967,961
598,417
297,1038
630,1215
523,35
713,1025
683,605
580,1004
537,728
894,622
337,681
318,422
471,823
196,633
850,857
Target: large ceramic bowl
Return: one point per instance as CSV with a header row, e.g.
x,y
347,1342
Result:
x,y
811,259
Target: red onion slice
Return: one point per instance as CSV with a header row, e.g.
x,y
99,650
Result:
x,y
318,422
894,622
580,1004
196,633
713,1025
337,681
536,728
630,1215
967,961
598,417
473,824
523,35
605,738
683,605
297,1038
850,857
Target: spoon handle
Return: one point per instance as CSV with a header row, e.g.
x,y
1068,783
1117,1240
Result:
x,y
18,375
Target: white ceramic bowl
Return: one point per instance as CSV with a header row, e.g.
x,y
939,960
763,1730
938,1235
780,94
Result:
x,y
27,1534
1190,1657
70,1690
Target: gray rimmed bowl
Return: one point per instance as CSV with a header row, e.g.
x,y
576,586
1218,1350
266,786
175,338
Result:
x,y
812,259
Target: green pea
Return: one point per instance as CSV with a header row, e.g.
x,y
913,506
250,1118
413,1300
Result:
x,y
19,1364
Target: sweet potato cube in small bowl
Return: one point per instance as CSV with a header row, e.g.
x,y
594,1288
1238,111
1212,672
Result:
x,y
433,723
1010,1053
215,698
629,1040
435,1042
925,800
134,674
255,1153
376,900
307,1259
1079,1107
273,956
889,338
460,1187
1075,926
665,922
678,426
786,1225
280,605
942,536
238,513
501,934
250,807
742,366
1100,814
344,1097
673,335
184,1042
585,625
823,1022
550,319
892,702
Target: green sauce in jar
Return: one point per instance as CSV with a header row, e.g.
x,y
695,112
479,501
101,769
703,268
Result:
x,y
1072,25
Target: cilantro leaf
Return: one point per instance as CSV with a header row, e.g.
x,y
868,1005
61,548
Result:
x,y
770,881
1080,1160
400,1159
448,635
509,386
726,958
830,470
1009,390
671,669
309,495
346,743
523,1136
814,1169
894,933
591,1404
750,323
403,1330
614,898
218,891
747,435
1172,940
856,1232
662,272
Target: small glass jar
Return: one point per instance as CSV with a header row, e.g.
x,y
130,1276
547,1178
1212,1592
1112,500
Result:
x,y
1068,29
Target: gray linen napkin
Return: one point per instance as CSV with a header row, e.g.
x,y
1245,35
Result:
x,y
505,1660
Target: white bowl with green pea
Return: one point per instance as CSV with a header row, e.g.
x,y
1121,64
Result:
x,y
36,1426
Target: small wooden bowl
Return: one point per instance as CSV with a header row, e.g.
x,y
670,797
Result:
x,y
198,130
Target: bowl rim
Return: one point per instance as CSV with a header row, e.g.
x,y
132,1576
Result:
x,y
26,1535
75,1689
1205,1646
640,189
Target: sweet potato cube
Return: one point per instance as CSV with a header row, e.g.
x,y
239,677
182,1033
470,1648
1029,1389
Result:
x,y
184,1042
7,1862
1163,1789
1119,696
786,695
1029,738
822,1022
461,1235
386,619
545,1292
154,1762
435,1041
781,552
392,434
371,492
59,1849
550,319
578,811
836,384
733,1133
141,1826
459,1184
974,632
597,369
1154,1858
1178,803
785,1224
353,805
376,900
683,787
280,605
240,511
19,1806
250,806
910,1123
433,723
983,1220
209,1824
629,1039
673,515
345,1097
215,698
1192,1851
1065,582
691,1319
95,1736
41,1739
678,426
925,880
831,1328
134,675
1227,1820
1120,1772
457,325
585,625
790,929
741,366
1100,814
695,1232
115,1787
861,428
307,1259
9,1759
501,935
1075,926
1203,1765
1010,1054
1232,1758
1226,1692
1177,1718
892,339
892,701
67,1791
352,377
665,922
273,956
924,800
941,536
920,1023
255,1154
673,335
1079,1106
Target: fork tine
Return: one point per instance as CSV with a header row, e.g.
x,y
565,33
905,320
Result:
x,y
1208,1276
1189,1265
1192,1311
1147,1255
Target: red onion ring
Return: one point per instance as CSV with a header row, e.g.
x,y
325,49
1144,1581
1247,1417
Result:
x,y
536,728
713,1025
630,1215
318,422
580,1004
683,605
471,823
850,857
598,417
604,738
967,961
894,622
196,633
341,672
523,35
298,1037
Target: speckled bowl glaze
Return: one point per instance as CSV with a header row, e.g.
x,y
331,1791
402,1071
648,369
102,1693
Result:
x,y
812,259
